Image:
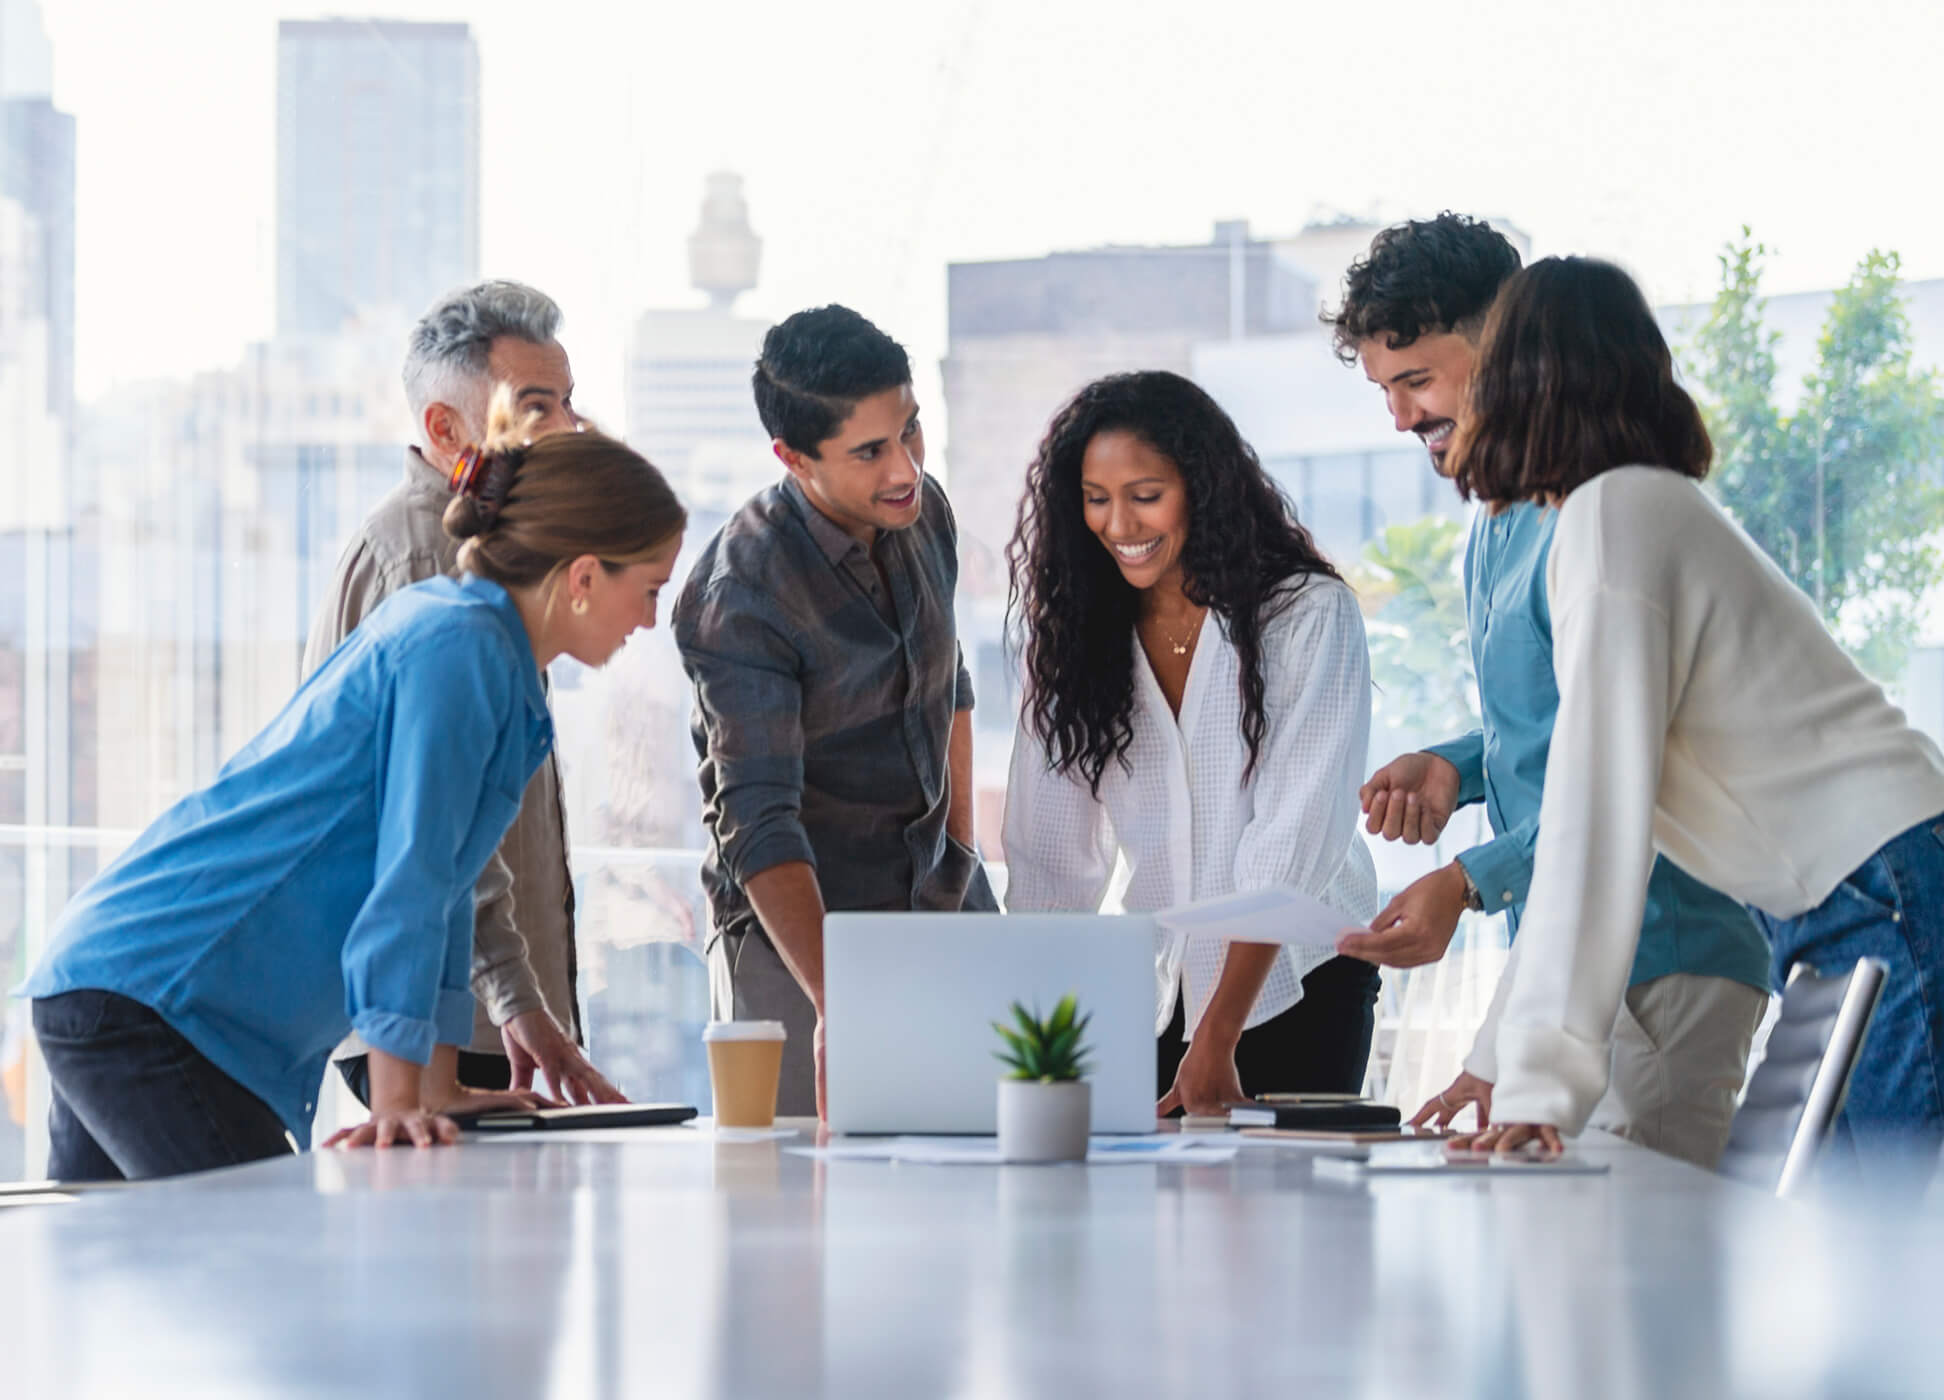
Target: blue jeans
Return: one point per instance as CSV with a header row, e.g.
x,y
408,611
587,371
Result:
x,y
1891,907
132,1099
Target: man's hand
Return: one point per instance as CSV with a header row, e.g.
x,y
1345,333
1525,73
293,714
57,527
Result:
x,y
1443,1111
1205,1082
817,1049
461,1100
534,1042
1416,927
1411,798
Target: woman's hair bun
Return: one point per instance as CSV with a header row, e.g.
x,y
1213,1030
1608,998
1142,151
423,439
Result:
x,y
467,516
484,476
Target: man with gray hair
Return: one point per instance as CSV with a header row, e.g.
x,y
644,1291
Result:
x,y
471,342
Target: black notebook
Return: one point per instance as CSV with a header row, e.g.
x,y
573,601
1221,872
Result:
x,y
593,1115
1362,1114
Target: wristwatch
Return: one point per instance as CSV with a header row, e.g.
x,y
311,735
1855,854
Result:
x,y
1474,901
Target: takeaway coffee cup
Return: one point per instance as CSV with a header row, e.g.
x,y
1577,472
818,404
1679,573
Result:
x,y
745,1062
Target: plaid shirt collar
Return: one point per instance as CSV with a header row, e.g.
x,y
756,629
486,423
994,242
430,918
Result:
x,y
835,542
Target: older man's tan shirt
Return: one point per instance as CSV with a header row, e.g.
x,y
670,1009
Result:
x,y
523,928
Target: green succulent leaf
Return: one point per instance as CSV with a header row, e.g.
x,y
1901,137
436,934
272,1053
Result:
x,y
1048,1048
1062,1015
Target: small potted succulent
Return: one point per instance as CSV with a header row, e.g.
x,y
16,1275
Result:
x,y
1044,1105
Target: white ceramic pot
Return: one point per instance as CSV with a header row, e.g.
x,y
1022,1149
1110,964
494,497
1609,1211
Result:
x,y
1041,1122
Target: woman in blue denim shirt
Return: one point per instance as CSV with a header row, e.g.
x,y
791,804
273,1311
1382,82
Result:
x,y
324,882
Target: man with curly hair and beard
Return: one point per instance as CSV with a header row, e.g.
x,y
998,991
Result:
x,y
1412,314
1198,706
832,706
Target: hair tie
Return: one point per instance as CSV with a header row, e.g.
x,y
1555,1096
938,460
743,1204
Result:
x,y
465,472
486,477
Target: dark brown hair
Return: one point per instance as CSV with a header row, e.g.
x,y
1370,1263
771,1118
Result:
x,y
530,507
1245,559
1573,379
1422,278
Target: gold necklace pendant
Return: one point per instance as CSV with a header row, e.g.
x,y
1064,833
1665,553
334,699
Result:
x,y
1180,648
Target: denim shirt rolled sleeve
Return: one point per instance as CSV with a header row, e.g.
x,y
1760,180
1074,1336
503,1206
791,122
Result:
x,y
745,668
405,991
1501,868
1466,753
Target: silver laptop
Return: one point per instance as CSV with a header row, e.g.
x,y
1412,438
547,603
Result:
x,y
909,1002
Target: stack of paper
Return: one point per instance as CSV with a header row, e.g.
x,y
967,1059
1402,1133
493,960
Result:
x,y
1280,915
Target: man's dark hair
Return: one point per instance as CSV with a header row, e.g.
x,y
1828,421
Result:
x,y
814,368
1422,278
1573,379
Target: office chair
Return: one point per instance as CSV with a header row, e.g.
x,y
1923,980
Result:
x,y
1797,1091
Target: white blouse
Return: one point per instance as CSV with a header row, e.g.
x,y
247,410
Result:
x,y
1187,822
1704,711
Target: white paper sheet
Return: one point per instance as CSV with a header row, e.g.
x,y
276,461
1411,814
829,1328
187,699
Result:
x,y
1279,915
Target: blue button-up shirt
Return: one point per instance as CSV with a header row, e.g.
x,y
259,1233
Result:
x,y
324,881
1688,926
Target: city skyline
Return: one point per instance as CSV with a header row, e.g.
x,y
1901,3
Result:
x,y
1266,119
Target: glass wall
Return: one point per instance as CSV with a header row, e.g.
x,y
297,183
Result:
x,y
218,220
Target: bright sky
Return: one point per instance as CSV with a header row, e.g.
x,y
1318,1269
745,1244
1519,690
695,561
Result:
x,y
881,139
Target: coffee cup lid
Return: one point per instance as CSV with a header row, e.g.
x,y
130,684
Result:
x,y
745,1030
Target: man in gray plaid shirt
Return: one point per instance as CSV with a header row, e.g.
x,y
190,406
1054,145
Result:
x,y
832,705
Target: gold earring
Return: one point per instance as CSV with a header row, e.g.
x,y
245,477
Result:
x,y
580,606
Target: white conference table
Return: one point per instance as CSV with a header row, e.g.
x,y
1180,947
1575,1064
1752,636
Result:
x,y
662,1262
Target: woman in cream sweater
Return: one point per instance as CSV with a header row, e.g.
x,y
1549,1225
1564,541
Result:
x,y
1704,712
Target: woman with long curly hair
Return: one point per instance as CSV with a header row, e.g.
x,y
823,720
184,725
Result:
x,y
1198,704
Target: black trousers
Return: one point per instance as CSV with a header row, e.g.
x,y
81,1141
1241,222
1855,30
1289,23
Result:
x,y
1320,1045
131,1098
476,1071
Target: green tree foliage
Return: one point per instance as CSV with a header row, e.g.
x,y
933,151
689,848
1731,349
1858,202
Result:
x,y
1413,598
1844,491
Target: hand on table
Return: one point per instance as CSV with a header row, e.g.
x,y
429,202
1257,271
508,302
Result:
x,y
1506,1139
1205,1083
534,1042
1410,799
461,1100
1443,1111
1416,927
415,1126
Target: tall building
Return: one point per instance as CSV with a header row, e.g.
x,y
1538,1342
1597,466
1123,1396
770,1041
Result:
x,y
687,380
377,169
37,173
